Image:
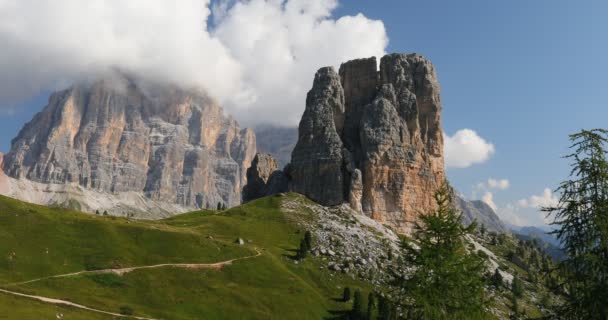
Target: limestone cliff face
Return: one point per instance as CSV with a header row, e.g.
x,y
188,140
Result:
x,y
373,139
170,144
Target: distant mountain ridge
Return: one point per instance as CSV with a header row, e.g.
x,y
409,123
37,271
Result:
x,y
276,141
481,212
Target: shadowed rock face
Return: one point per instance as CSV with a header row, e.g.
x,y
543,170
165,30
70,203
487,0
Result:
x,y
317,160
169,144
263,178
373,139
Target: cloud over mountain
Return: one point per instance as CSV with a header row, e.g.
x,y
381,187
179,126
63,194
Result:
x,y
257,57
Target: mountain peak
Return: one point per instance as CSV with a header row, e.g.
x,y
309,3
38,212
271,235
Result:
x,y
115,135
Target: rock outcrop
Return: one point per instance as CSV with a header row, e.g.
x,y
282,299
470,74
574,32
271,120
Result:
x,y
317,161
373,139
169,144
276,141
263,178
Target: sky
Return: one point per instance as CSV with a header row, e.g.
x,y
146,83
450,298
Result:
x,y
517,76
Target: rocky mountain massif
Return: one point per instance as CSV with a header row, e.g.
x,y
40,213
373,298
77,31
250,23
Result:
x,y
372,138
481,212
115,137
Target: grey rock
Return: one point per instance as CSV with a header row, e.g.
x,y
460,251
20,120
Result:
x,y
373,139
316,161
239,241
481,212
117,135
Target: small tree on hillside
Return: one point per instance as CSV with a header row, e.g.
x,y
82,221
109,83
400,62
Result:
x,y
514,308
582,220
371,304
219,206
517,287
346,294
308,239
303,249
448,281
497,280
357,311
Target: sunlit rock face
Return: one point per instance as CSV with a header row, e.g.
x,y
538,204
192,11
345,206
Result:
x,y
114,136
373,138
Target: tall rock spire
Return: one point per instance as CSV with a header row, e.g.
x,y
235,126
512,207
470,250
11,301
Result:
x,y
383,153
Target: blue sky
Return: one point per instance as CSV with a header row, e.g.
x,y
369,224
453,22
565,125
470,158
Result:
x,y
522,74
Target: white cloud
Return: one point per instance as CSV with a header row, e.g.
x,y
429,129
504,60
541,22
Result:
x,y
513,215
466,148
258,57
502,184
525,212
488,198
546,199
281,47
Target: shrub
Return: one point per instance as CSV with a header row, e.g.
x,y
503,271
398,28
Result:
x,y
126,310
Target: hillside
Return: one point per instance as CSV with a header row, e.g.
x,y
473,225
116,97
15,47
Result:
x,y
215,277
38,242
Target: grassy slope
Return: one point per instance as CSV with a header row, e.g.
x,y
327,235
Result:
x,y
265,287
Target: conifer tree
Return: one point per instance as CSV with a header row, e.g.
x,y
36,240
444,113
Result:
x,y
308,239
497,280
371,304
448,280
219,206
357,311
303,250
517,287
346,294
514,308
581,217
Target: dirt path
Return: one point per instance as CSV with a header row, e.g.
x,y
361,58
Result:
x,y
71,304
121,271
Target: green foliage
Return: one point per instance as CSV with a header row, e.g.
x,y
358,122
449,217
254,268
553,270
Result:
x,y
303,250
346,294
582,220
371,304
308,239
517,287
108,280
357,311
386,309
514,308
497,280
448,280
126,310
